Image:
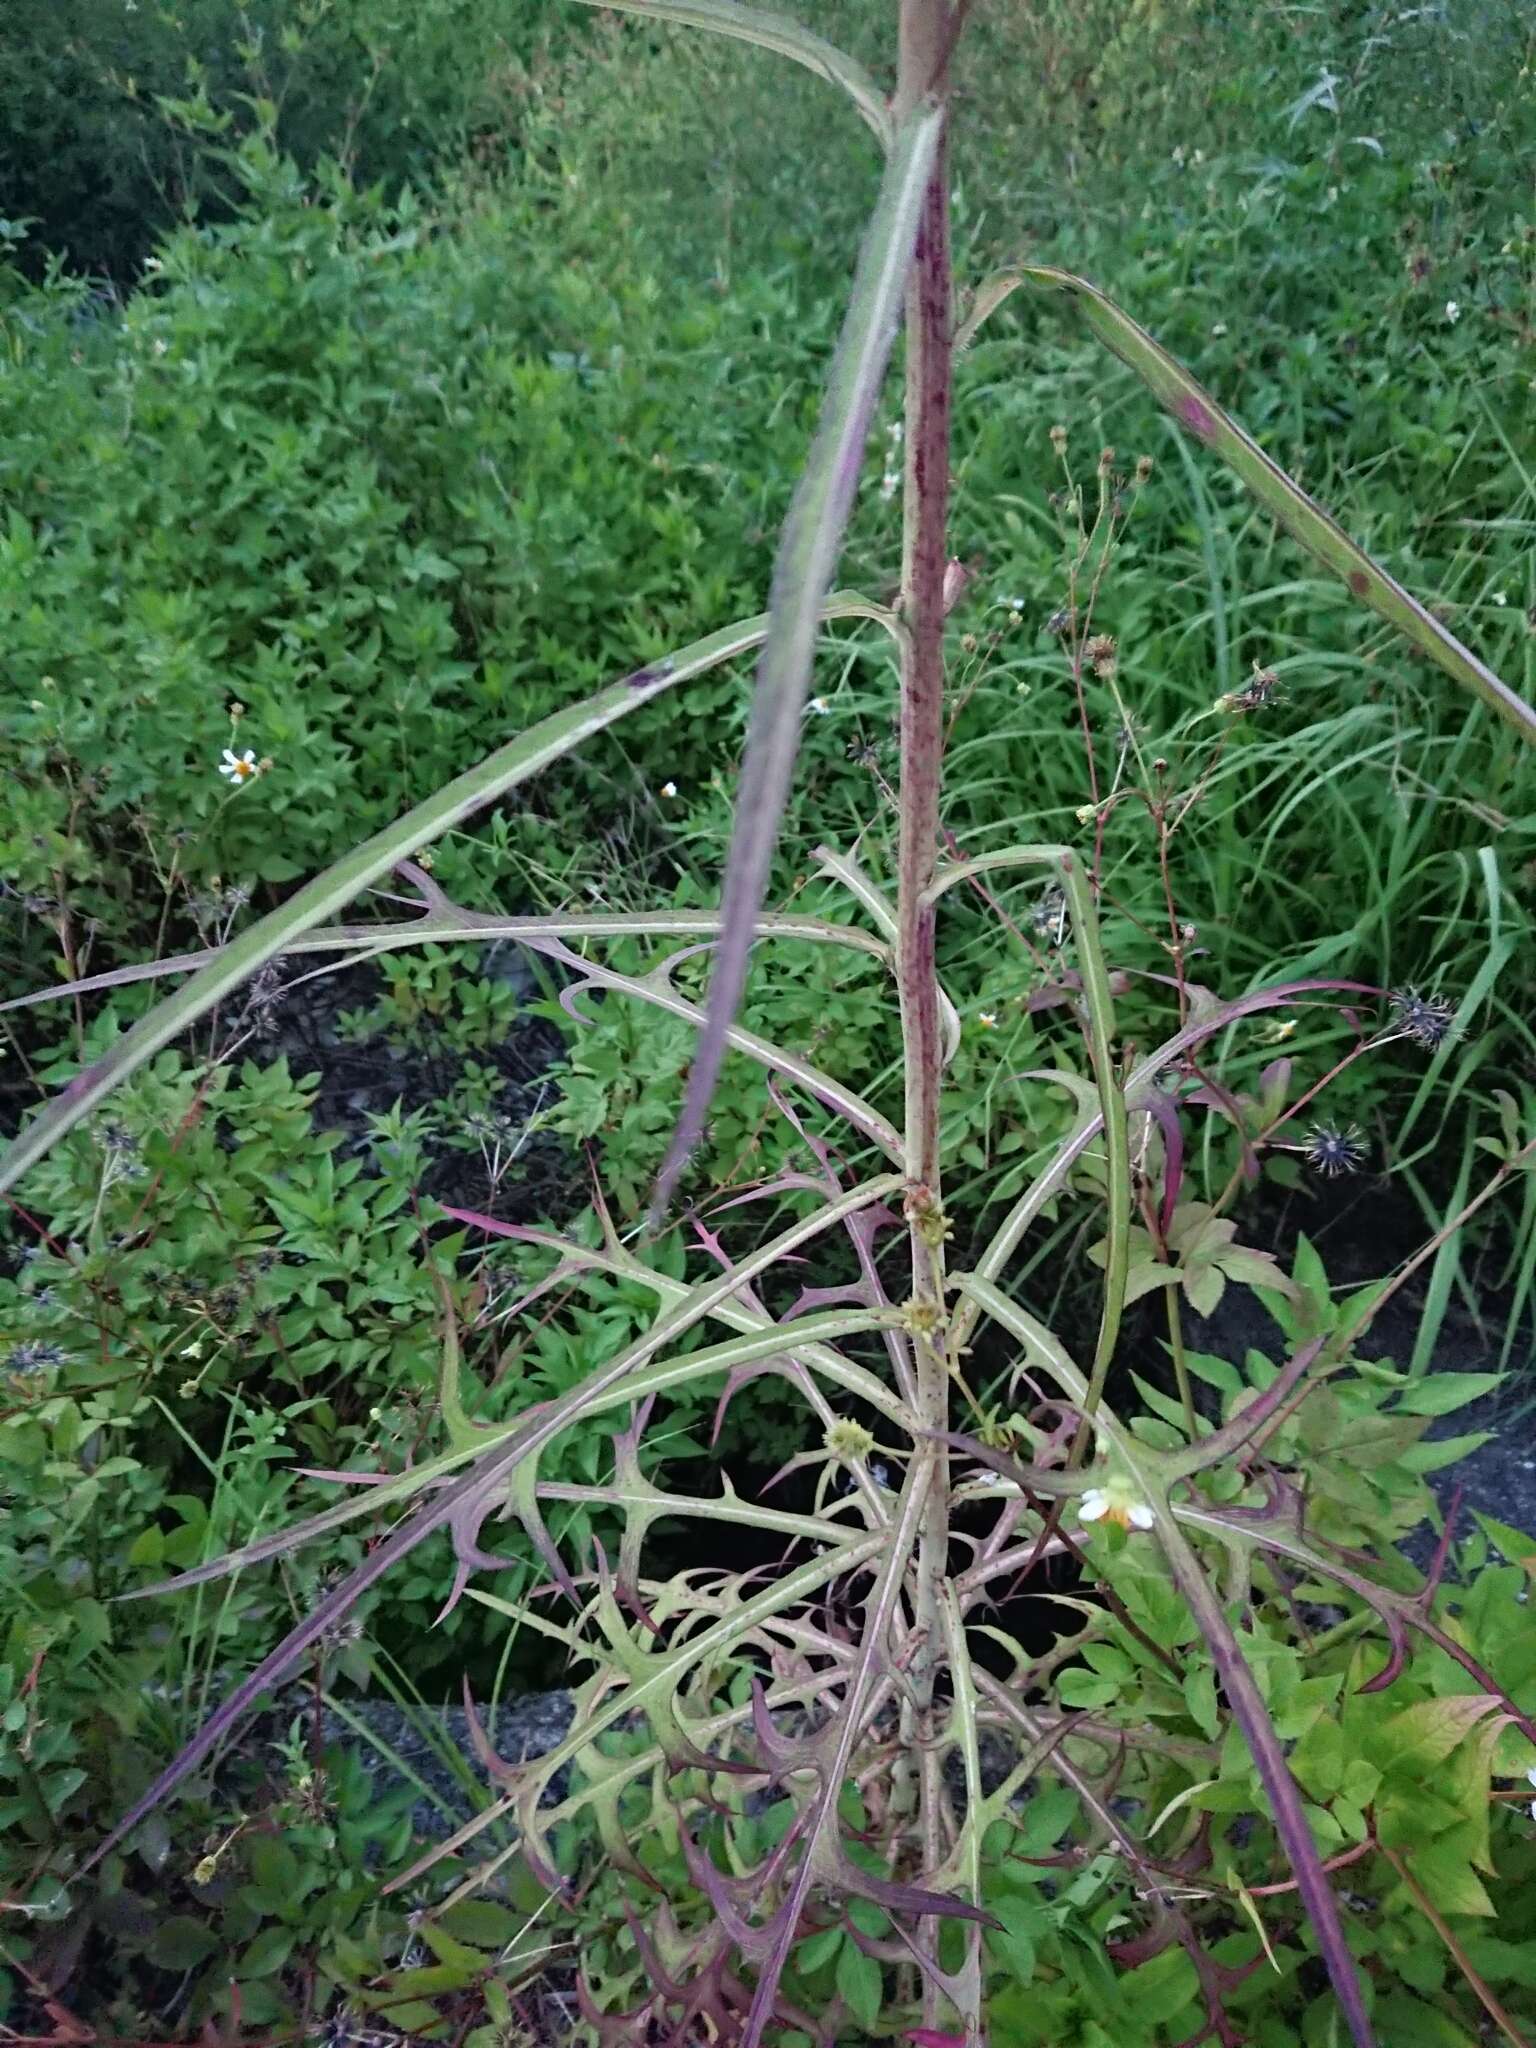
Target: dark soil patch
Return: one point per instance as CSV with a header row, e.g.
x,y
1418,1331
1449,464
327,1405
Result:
x,y
364,1077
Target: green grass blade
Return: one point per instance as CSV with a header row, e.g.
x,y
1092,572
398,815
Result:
x,y
808,551
772,32
1301,516
321,898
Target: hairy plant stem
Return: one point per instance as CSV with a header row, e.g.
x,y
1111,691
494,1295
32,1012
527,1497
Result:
x,y
923,57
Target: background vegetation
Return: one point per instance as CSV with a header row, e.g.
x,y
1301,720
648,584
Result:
x,y
374,382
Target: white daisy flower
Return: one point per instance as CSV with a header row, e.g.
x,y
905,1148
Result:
x,y
239,768
1115,1501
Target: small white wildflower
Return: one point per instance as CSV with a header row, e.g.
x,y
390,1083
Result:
x,y
1452,311
890,483
669,789
1501,597
987,1019
1199,156
819,706
1178,154
1087,814
194,1349
1219,328
239,768
1115,1501
160,344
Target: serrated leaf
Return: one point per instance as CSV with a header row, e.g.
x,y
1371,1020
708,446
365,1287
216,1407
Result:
x,y
1250,1268
1203,1287
1512,1544
1444,1392
1447,1877
1426,1733
1442,1451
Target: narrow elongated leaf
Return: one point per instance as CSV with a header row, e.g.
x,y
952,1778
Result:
x,y
510,765
1285,1798
808,551
1301,516
451,925
772,32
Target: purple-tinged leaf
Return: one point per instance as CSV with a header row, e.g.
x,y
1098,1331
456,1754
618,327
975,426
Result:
x,y
808,552
1286,1801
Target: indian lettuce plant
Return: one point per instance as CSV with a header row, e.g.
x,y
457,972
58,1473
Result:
x,y
784,1781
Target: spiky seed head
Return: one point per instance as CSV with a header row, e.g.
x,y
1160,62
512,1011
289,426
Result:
x,y
1427,1020
1333,1149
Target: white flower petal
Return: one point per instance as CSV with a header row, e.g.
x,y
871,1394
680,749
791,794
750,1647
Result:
x,y
1140,1515
1093,1506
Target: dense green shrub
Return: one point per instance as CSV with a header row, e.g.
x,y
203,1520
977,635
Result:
x,y
99,165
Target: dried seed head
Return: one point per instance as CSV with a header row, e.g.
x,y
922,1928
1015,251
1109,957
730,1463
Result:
x,y
1260,689
1106,462
1059,439
1143,468
1100,650
1427,1020
1333,1149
